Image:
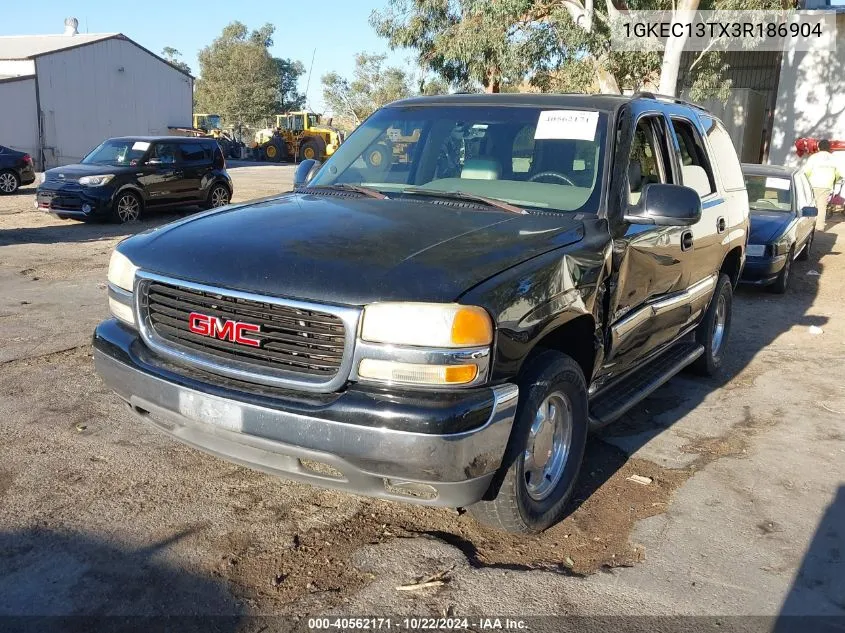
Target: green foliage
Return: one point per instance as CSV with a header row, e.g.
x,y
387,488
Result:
x,y
371,87
174,58
242,81
499,44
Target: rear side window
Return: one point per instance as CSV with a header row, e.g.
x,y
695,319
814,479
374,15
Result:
x,y
192,152
696,170
724,153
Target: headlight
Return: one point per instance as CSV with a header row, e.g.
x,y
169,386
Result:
x,y
121,271
427,325
95,181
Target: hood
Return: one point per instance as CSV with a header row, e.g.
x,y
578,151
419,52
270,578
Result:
x,y
348,250
766,226
72,173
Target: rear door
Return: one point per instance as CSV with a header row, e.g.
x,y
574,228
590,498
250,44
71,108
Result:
x,y
196,163
649,305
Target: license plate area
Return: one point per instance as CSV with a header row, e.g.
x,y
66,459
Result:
x,y
210,410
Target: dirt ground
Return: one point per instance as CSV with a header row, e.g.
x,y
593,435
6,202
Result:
x,y
744,514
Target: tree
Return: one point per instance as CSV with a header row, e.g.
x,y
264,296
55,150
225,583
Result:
x,y
372,86
241,80
557,45
174,58
289,73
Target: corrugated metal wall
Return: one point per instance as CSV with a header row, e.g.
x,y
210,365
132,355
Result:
x,y
19,121
106,89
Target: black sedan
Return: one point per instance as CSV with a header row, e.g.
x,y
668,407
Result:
x,y
15,170
783,220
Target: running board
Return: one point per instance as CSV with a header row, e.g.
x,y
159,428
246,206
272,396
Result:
x,y
642,382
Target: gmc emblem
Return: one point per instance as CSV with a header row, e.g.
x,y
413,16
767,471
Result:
x,y
223,329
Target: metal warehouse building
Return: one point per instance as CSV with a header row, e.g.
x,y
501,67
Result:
x,y
61,95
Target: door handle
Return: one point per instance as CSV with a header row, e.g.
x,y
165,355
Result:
x,y
721,225
686,240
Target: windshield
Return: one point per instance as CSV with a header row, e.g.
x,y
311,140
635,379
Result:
x,y
769,193
313,120
211,122
117,152
525,156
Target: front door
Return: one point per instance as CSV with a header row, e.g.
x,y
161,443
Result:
x,y
162,174
648,302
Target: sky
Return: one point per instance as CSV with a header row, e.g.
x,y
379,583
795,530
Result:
x,y
337,29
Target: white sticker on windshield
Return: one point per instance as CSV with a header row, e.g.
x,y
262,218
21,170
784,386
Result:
x,y
567,124
142,146
777,183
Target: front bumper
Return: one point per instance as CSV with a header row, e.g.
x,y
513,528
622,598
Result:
x,y
762,271
387,445
68,200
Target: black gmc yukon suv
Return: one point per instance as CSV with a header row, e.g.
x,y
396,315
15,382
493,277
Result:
x,y
442,319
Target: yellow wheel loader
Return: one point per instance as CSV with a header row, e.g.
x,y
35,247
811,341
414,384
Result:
x,y
297,136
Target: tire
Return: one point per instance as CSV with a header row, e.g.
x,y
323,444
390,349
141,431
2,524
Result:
x,y
273,153
127,207
781,284
804,255
218,196
9,182
312,149
525,502
707,334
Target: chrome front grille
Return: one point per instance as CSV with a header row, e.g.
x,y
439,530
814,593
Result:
x,y
299,344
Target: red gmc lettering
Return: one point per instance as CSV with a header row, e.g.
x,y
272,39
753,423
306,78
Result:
x,y
215,327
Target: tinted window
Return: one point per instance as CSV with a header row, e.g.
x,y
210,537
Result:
x,y
495,151
165,153
192,152
805,192
696,171
724,153
769,193
645,165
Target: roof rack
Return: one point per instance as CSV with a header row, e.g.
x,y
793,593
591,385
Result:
x,y
660,97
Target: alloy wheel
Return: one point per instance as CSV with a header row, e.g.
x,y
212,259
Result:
x,y
8,183
719,324
547,448
219,197
128,208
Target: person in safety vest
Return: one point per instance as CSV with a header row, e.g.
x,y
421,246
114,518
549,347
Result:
x,y
822,170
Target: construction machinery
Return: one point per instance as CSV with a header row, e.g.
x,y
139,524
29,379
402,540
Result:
x,y
211,125
297,136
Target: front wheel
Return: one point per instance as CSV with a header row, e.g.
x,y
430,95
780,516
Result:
x,y
127,208
545,450
781,284
712,333
804,255
9,182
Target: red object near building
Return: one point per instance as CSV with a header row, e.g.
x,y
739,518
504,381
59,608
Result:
x,y
811,146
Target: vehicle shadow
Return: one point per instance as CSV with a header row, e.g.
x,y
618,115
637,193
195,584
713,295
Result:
x,y
818,589
752,329
72,231
65,581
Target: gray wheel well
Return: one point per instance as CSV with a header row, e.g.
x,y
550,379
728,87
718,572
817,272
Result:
x,y
731,265
576,339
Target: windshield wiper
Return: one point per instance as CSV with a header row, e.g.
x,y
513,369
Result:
x,y
364,191
469,197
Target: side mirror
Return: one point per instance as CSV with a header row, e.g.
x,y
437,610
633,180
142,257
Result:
x,y
306,170
809,212
666,205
